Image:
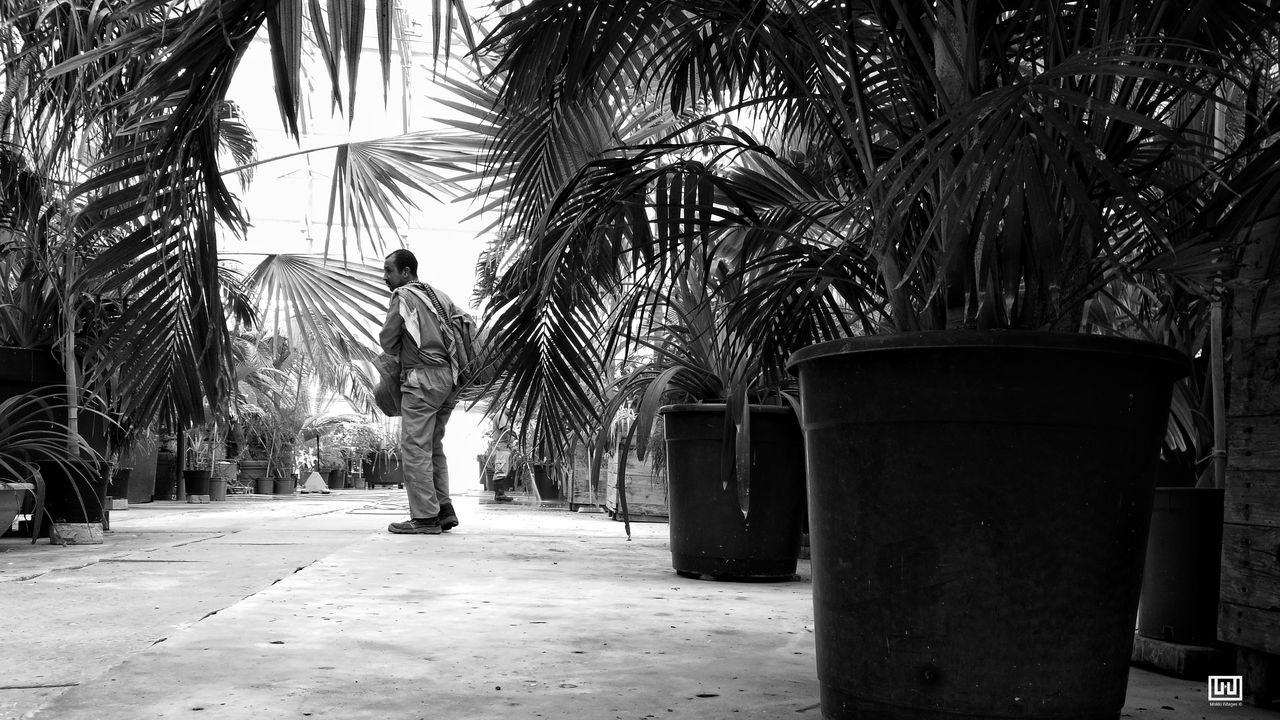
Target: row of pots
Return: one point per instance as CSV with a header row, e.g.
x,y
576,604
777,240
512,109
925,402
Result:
x,y
204,482
75,500
978,507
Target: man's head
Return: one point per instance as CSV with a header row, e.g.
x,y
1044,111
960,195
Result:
x,y
400,268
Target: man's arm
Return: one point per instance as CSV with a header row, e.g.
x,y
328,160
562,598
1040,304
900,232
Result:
x,y
392,328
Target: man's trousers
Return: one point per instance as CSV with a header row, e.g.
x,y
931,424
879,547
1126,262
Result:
x,y
426,402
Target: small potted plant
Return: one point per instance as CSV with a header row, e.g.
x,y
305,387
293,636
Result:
x,y
253,442
34,456
733,449
269,435
332,467
355,440
197,473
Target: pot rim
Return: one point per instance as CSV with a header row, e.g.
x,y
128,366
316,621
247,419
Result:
x,y
1034,340
721,407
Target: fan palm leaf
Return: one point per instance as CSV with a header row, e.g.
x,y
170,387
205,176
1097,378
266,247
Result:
x,y
324,308
373,181
149,78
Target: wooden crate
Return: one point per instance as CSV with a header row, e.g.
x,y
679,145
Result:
x,y
646,486
1249,611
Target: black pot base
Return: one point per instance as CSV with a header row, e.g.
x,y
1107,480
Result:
x,y
838,706
736,578
738,570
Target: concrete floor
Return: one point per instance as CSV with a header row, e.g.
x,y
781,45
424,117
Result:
x,y
304,607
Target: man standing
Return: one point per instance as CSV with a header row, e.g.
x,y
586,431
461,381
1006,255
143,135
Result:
x,y
415,332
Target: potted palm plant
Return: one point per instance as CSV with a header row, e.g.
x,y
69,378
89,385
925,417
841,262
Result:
x,y
734,454
201,447
49,309
270,436
355,441
56,242
977,173
33,454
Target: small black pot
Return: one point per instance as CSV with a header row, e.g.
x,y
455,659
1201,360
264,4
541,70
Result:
x,y
166,478
710,535
197,481
1179,600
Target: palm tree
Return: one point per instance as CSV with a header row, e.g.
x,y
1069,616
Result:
x,y
870,166
119,107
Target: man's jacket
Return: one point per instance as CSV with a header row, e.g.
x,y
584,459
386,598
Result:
x,y
412,330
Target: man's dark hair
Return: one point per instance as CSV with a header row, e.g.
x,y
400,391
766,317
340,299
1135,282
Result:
x,y
402,259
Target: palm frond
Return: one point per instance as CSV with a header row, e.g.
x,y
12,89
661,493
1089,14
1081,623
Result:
x,y
236,138
148,81
325,308
373,181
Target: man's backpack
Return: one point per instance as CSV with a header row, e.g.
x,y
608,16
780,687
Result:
x,y
466,345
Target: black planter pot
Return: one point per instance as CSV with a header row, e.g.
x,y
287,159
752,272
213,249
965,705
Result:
x,y
166,478
197,481
76,495
23,370
254,472
979,504
709,534
1179,601
119,489
142,479
544,480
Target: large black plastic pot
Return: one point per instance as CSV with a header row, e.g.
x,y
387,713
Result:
x,y
978,509
710,535
75,491
1179,601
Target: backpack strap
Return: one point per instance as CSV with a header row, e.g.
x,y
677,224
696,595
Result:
x,y
446,326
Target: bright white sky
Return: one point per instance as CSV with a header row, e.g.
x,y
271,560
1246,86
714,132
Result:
x,y
287,201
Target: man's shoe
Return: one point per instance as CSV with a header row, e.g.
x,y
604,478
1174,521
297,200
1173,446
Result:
x,y
448,518
416,526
